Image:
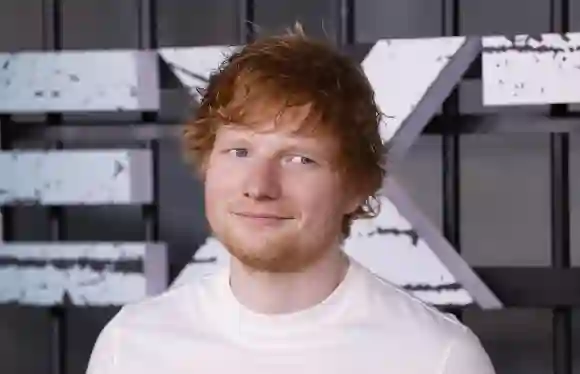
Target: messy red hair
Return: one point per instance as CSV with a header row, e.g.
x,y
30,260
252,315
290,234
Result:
x,y
262,80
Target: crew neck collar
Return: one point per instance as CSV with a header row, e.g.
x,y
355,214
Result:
x,y
250,324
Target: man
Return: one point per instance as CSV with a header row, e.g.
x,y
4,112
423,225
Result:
x,y
286,143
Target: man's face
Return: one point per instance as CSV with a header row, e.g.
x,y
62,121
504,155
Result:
x,y
274,199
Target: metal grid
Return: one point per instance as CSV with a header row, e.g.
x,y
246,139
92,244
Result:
x,y
52,41
450,126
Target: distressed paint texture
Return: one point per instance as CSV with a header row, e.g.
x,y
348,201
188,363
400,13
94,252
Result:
x,y
402,70
396,93
88,274
78,81
531,69
193,65
75,177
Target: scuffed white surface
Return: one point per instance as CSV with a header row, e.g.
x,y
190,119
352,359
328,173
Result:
x,y
392,257
79,177
401,71
201,61
444,297
47,286
78,81
529,71
210,257
73,251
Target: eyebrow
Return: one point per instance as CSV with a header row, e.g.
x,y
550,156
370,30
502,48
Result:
x,y
301,145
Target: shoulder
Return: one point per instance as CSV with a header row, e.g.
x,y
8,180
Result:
x,y
397,306
438,337
157,318
174,307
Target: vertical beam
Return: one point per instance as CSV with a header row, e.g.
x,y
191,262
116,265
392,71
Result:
x,y
52,40
346,22
560,211
148,40
6,212
450,141
246,24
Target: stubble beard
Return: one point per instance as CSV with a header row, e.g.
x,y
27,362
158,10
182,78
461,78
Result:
x,y
275,252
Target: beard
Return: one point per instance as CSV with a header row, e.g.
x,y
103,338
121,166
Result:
x,y
275,251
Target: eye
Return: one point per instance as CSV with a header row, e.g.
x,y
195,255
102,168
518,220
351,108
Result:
x,y
302,160
238,152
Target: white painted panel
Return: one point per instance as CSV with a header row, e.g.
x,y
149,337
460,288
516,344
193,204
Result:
x,y
76,177
402,70
89,274
193,65
531,70
389,247
115,80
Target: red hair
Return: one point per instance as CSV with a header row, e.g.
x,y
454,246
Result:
x,y
264,79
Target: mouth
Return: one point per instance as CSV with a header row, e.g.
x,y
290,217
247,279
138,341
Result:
x,y
262,216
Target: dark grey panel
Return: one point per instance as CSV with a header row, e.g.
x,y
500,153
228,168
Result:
x,y
518,341
20,25
190,23
84,326
31,223
420,174
181,210
574,15
395,19
319,18
110,223
505,216
24,339
504,17
90,24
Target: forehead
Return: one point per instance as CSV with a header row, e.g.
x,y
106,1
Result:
x,y
274,137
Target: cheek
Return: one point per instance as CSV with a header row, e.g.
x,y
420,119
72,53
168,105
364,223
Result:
x,y
319,199
219,187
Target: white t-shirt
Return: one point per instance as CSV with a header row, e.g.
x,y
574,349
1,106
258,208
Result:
x,y
366,326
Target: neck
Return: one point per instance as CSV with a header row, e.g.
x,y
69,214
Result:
x,y
278,293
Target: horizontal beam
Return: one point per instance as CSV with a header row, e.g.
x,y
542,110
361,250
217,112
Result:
x,y
81,274
505,123
116,132
79,81
540,287
76,177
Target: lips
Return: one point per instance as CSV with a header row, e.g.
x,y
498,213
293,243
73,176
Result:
x,y
264,215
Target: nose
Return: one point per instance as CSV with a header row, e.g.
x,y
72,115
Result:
x,y
262,181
